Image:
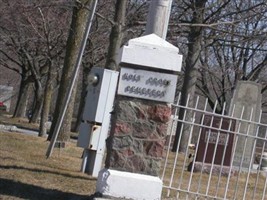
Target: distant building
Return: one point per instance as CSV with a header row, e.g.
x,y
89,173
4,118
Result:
x,y
6,93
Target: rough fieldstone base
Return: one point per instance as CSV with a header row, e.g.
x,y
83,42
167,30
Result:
x,y
137,138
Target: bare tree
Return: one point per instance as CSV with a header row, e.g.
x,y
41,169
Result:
x,y
229,47
233,51
77,29
110,21
12,39
191,63
54,59
31,39
116,35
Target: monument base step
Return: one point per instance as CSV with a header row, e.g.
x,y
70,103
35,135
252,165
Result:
x,y
126,185
215,169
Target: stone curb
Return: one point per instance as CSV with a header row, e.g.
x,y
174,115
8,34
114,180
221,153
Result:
x,y
8,128
12,128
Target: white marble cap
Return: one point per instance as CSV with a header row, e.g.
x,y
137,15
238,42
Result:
x,y
151,51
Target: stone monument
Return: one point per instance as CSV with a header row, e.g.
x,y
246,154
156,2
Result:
x,y
219,132
246,106
139,123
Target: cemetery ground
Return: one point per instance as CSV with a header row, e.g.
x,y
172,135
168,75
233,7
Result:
x,y
26,173
211,184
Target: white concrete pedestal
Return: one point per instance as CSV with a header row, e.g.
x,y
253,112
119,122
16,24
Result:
x,y
128,185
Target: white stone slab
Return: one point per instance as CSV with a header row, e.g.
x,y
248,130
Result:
x,y
147,85
128,185
151,51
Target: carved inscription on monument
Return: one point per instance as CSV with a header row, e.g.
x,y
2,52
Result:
x,y
216,141
213,135
147,85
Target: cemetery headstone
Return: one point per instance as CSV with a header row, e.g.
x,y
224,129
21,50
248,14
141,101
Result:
x,y
218,131
246,106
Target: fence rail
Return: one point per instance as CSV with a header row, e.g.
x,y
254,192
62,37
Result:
x,y
224,156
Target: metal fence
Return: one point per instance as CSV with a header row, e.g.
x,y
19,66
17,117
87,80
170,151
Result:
x,y
224,157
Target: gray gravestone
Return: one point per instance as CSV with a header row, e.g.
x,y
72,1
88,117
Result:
x,y
246,105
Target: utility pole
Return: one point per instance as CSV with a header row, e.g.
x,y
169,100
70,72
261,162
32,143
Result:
x,y
158,17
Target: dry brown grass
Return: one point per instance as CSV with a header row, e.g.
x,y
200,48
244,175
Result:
x,y
25,173
199,183
20,122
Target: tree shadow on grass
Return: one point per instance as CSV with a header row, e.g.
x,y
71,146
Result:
x,y
32,192
45,171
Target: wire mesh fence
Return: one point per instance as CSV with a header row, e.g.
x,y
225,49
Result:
x,y
224,155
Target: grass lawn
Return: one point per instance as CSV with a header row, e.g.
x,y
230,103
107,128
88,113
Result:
x,y
19,122
195,185
25,173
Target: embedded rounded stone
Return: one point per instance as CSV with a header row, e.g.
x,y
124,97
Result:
x,y
160,113
153,167
154,148
117,159
122,142
138,146
122,128
162,129
141,114
127,152
124,111
140,110
136,163
142,129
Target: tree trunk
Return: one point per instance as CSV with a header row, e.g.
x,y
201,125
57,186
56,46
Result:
x,y
22,102
38,102
45,110
86,71
188,91
115,40
77,30
47,102
116,35
190,76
